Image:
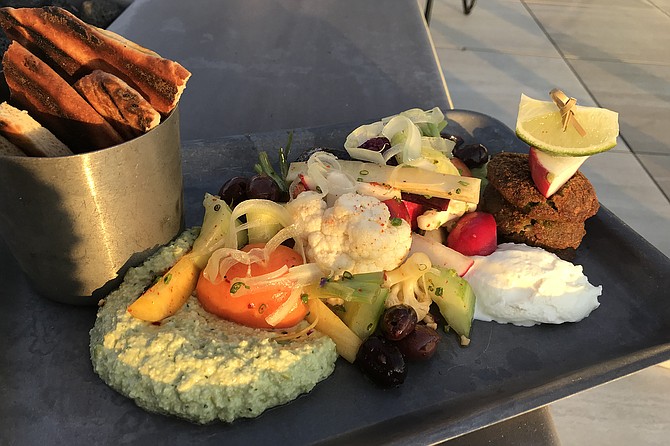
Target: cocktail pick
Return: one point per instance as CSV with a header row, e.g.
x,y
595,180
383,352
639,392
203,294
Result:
x,y
565,105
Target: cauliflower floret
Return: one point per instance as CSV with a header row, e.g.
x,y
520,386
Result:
x,y
355,235
407,284
307,212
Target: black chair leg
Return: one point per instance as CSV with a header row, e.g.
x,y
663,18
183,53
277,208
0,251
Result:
x,y
467,6
428,11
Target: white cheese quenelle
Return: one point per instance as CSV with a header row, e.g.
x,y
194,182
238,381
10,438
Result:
x,y
525,286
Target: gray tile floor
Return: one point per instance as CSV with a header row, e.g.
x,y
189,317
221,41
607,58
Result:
x,y
609,53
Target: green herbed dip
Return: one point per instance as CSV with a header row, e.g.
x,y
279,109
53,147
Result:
x,y
194,364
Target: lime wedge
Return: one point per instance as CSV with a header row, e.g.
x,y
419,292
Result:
x,y
539,124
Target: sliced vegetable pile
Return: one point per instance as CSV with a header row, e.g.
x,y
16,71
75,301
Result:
x,y
356,249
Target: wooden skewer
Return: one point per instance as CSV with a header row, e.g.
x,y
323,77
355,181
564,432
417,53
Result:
x,y
565,105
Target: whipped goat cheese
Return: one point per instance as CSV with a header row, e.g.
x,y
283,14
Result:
x,y
524,286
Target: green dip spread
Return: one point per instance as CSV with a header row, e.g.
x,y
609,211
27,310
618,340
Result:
x,y
196,365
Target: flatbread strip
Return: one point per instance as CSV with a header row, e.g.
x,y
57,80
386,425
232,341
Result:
x,y
121,105
79,48
35,87
27,135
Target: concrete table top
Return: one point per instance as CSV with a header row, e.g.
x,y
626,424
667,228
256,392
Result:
x,y
263,65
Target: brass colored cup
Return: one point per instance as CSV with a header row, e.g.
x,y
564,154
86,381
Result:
x,y
75,224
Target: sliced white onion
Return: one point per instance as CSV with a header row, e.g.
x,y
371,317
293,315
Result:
x,y
339,183
363,133
422,163
443,145
275,211
305,274
263,206
295,277
285,308
393,151
418,116
223,259
331,180
296,334
318,167
272,276
358,137
401,131
291,231
371,156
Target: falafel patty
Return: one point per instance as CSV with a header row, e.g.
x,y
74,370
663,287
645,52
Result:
x,y
524,215
509,173
517,226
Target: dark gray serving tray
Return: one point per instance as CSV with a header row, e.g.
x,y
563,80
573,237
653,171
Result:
x,y
50,394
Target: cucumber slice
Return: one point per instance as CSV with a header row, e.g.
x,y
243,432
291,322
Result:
x,y
364,296
362,317
455,299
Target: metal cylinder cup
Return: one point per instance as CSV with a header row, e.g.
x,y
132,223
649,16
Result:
x,y
75,224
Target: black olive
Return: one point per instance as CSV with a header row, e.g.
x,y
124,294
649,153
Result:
x,y
473,155
458,141
377,144
398,321
264,187
419,345
234,191
382,362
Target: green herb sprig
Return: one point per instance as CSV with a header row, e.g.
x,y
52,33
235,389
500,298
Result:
x,y
264,167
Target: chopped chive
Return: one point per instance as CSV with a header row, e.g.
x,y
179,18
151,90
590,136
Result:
x,y
236,287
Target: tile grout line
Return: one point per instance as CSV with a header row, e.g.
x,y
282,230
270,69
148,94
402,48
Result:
x,y
651,2
588,90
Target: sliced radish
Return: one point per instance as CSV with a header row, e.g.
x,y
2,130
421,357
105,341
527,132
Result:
x,y
475,234
461,166
550,172
440,254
